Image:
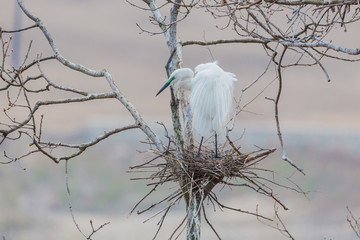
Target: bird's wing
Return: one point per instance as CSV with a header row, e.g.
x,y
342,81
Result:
x,y
211,98
206,66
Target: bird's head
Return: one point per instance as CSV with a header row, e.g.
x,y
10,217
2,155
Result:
x,y
176,77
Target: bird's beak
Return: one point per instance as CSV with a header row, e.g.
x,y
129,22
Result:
x,y
165,86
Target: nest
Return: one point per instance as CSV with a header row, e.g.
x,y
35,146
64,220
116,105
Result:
x,y
201,169
196,177
203,172
230,163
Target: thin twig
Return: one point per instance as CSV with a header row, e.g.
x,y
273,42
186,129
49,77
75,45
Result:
x,y
69,200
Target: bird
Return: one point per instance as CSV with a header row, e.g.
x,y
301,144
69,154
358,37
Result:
x,y
211,93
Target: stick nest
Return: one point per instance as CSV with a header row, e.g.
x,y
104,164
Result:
x,y
200,170
189,166
196,177
230,163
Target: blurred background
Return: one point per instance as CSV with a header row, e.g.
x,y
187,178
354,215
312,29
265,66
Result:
x,y
319,120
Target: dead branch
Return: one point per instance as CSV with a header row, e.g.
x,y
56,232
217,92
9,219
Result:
x,y
276,101
202,174
353,222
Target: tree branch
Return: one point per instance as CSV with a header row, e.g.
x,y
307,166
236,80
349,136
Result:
x,y
312,2
103,73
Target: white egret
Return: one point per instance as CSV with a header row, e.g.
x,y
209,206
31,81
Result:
x,y
211,92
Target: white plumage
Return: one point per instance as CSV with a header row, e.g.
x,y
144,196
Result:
x,y
211,92
211,98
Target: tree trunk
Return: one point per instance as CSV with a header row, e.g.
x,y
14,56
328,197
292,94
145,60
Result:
x,y
192,195
194,216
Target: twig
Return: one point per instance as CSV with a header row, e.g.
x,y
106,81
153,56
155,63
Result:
x,y
208,222
69,200
222,41
238,209
283,229
276,101
319,63
178,227
18,30
95,230
353,222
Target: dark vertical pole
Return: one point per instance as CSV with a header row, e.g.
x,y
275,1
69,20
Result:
x,y
198,153
216,150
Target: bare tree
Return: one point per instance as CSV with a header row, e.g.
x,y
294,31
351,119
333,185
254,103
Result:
x,y
301,28
280,27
